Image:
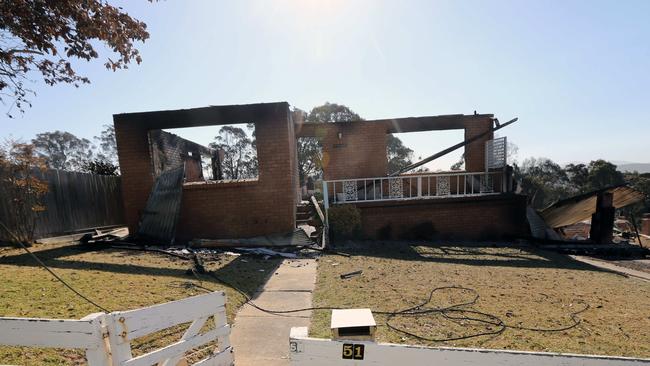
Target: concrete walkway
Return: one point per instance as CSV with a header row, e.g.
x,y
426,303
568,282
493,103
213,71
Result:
x,y
612,267
259,338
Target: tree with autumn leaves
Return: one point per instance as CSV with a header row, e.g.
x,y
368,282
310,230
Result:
x,y
22,191
40,38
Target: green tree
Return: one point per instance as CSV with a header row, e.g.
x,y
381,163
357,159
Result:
x,y
44,37
63,150
239,157
107,145
100,167
399,156
640,182
603,174
310,148
578,177
543,181
332,112
459,165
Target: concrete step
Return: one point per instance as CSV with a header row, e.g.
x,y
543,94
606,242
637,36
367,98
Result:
x,y
303,215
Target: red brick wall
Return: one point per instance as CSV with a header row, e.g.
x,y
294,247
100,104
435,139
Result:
x,y
220,210
136,168
476,218
169,151
475,152
360,153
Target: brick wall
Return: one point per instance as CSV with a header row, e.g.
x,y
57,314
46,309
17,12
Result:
x,y
136,168
226,209
476,218
360,153
475,152
169,151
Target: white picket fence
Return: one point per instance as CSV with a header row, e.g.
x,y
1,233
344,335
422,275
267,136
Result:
x,y
106,338
307,351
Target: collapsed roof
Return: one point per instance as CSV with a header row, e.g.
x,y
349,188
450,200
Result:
x,y
579,208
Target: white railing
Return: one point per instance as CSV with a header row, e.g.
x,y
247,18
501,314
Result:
x,y
407,187
107,338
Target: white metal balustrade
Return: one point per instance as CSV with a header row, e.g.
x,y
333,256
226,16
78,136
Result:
x,y
408,187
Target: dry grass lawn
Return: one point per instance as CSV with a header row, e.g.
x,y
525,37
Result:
x,y
117,280
522,286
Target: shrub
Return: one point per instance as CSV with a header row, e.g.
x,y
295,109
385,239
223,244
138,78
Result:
x,y
344,221
385,232
422,231
319,196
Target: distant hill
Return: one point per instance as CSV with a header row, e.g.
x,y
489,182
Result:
x,y
631,167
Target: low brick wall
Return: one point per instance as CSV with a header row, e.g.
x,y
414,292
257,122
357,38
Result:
x,y
472,218
232,210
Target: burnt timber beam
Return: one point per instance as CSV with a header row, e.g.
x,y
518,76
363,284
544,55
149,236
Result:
x,y
205,116
398,125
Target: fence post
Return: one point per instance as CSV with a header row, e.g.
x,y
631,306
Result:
x,y
100,356
326,201
117,336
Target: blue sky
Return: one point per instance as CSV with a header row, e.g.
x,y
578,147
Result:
x,y
576,73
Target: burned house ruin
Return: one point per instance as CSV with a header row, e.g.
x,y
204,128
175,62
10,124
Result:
x,y
478,203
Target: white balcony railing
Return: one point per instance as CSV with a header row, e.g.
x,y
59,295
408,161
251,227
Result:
x,y
409,187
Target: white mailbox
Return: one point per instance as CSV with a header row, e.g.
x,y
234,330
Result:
x,y
353,324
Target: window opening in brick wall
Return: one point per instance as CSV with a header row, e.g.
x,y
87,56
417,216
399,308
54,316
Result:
x,y
310,165
411,147
210,153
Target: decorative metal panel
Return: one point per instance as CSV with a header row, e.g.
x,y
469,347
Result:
x,y
496,153
396,188
487,183
443,186
350,190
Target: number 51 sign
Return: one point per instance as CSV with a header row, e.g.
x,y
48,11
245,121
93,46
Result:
x,y
353,351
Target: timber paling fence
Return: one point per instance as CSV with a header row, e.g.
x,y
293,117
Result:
x,y
75,202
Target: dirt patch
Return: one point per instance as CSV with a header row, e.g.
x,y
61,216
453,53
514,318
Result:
x,y
521,286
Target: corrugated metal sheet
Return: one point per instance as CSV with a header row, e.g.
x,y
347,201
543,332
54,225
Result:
x,y
163,207
579,208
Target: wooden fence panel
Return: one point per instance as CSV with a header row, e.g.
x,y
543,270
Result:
x,y
107,338
86,333
76,201
125,326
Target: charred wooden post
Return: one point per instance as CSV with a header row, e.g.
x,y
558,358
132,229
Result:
x,y
602,222
645,224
